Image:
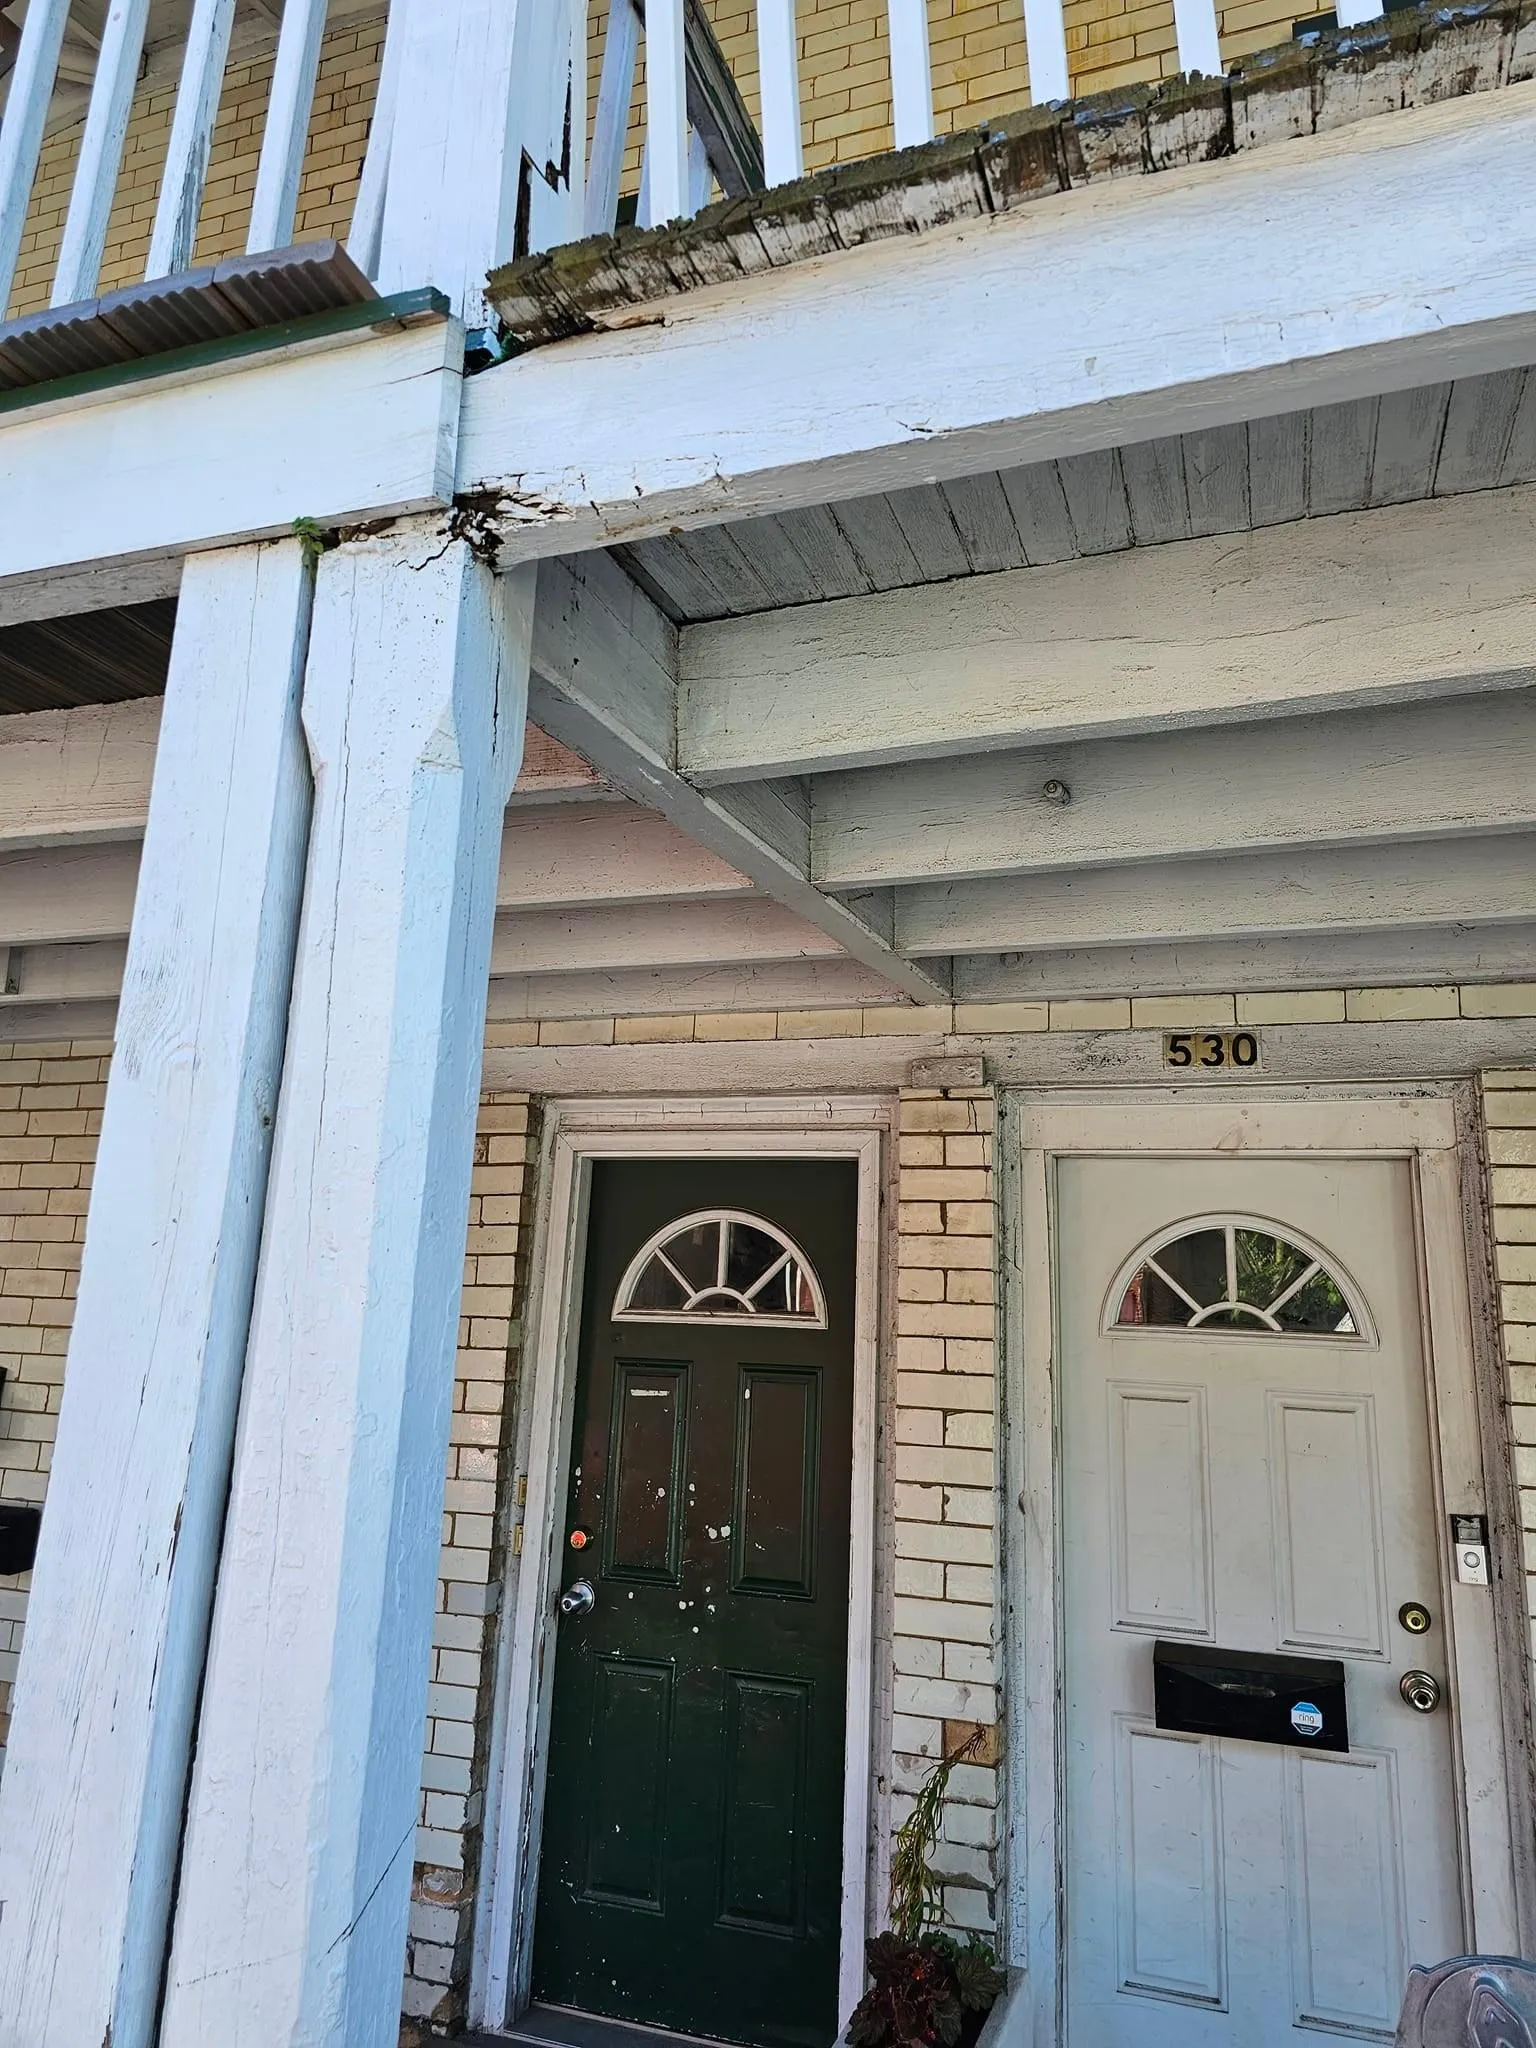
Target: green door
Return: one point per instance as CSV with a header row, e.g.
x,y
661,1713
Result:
x,y
691,1872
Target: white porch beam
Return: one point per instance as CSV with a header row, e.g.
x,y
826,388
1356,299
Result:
x,y
91,1799
296,1867
359,430
1417,772
65,974
1482,881
1377,607
802,385
605,682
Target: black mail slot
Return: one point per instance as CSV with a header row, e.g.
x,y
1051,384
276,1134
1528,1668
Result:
x,y
1298,1701
18,1538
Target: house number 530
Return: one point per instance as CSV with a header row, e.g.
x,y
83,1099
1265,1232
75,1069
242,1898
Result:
x,y
1210,1051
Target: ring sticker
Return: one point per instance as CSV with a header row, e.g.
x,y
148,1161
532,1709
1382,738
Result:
x,y
1307,1719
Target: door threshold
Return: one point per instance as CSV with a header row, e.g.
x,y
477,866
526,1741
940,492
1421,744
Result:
x,y
557,2026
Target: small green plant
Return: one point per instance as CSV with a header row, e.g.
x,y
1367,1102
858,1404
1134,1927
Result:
x,y
312,538
927,1989
914,1882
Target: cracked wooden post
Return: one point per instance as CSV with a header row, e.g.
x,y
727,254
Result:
x,y
90,1810
297,1863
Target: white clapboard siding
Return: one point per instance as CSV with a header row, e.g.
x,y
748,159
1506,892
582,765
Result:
x,y
101,153
289,110
69,892
1415,772
1363,608
174,237
610,127
911,72
1315,960
623,991
21,132
91,1798
295,1879
77,775
778,68
64,974
655,935
1487,880
666,109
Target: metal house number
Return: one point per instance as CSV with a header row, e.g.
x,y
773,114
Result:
x,y
1211,1052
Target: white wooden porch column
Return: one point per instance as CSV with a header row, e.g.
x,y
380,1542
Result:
x,y
301,1825
91,1800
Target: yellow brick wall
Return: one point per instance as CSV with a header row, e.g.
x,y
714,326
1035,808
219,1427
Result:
x,y
348,81
50,1115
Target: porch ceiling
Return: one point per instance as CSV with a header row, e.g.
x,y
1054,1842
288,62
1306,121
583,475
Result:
x,y
1432,441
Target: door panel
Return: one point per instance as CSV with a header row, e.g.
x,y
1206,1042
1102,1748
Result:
x,y
1264,1491
1344,1843
631,1748
1160,1509
691,1866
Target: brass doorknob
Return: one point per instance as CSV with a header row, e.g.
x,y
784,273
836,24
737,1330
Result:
x,y
1421,1689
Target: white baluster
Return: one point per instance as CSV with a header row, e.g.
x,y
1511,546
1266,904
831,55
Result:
x,y
666,109
186,162
101,152
1045,41
778,65
21,134
701,178
288,117
911,73
610,128
1199,43
367,233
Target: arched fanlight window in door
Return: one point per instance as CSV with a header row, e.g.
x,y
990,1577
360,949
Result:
x,y
1236,1274
721,1266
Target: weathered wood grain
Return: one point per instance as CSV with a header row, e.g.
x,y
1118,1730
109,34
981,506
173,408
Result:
x,y
1418,771
296,1869
1242,307
1375,607
91,1800
1477,882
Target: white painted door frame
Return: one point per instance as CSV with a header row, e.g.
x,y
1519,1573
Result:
x,y
575,1135
1487,1677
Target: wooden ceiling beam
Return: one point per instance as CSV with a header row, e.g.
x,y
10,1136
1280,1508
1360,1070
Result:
x,y
1415,772
1378,607
605,682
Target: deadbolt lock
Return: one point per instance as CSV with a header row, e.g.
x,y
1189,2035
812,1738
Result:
x,y
1421,1689
1415,1618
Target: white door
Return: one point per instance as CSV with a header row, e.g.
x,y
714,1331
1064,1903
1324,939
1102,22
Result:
x,y
1246,1464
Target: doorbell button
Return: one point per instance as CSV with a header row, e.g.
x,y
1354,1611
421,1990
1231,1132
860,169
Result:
x,y
580,1538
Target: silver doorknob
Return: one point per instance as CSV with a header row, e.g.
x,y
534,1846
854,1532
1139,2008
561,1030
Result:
x,y
580,1599
1421,1689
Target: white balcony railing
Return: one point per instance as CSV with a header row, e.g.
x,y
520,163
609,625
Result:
x,y
698,135
35,77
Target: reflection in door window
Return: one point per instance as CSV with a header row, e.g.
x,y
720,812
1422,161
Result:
x,y
1235,1273
721,1266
